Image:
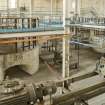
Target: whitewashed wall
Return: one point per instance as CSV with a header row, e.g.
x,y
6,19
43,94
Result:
x,y
98,5
42,5
37,5
3,4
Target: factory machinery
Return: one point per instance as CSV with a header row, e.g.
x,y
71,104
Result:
x,y
88,32
17,92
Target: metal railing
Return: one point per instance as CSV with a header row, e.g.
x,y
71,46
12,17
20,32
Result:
x,y
100,21
26,23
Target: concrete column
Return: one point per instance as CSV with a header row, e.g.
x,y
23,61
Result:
x,y
1,74
68,9
78,103
27,61
91,34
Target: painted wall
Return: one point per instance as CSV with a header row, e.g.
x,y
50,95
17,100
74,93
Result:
x,y
27,61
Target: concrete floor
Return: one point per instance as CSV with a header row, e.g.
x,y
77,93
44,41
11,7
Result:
x,y
88,60
42,75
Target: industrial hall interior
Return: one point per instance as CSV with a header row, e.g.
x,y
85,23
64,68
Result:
x,y
52,52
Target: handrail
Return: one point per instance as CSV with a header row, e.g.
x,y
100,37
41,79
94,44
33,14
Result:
x,y
38,39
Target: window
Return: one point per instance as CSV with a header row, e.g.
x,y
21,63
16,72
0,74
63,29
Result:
x,y
12,3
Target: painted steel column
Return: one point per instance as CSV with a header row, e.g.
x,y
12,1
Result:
x,y
64,60
30,8
77,7
65,45
17,6
51,7
91,34
70,8
30,13
55,8
8,8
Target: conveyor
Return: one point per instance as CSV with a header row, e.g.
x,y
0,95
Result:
x,y
82,95
15,92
